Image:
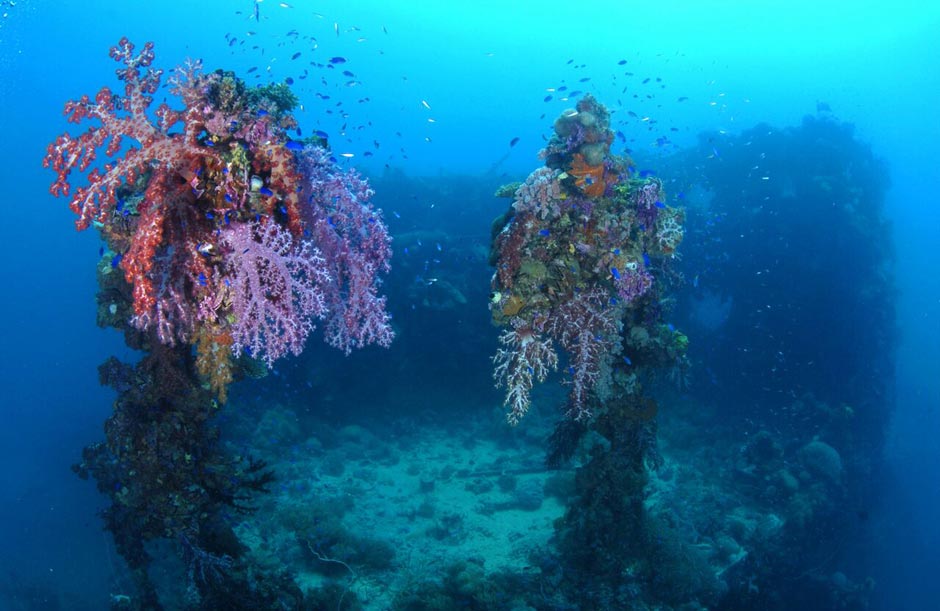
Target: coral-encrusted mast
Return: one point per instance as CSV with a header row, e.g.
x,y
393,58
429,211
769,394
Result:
x,y
228,231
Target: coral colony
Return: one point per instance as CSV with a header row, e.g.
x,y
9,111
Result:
x,y
233,236
227,240
579,252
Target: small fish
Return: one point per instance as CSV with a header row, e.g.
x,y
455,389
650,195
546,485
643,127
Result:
x,y
683,98
646,260
210,216
647,173
514,142
116,260
547,98
615,273
321,134
347,155
584,80
337,60
671,327
262,113
202,279
425,104
266,191
621,62
627,360
295,55
293,145
256,183
438,245
659,204
544,232
204,248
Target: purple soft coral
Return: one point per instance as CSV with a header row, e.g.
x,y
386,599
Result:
x,y
276,289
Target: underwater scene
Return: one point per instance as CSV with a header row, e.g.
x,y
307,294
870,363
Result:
x,y
470,305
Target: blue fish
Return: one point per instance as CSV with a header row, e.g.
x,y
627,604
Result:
x,y
544,232
202,279
266,191
210,216
616,251
627,360
228,198
659,204
646,260
337,60
647,173
293,145
263,113
116,260
671,327
321,134
615,273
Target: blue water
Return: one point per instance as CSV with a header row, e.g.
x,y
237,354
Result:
x,y
442,90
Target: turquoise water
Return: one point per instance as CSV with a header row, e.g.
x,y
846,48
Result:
x,y
403,455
